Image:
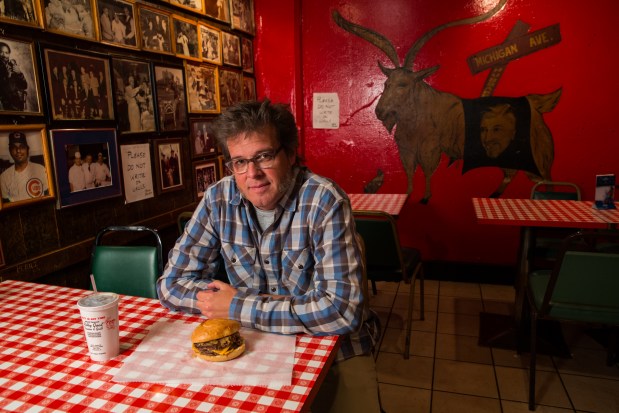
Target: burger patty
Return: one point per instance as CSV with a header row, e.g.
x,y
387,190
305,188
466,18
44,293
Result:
x,y
232,341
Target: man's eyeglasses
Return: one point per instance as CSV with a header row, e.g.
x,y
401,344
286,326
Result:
x,y
264,160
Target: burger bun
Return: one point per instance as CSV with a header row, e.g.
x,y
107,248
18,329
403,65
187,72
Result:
x,y
213,329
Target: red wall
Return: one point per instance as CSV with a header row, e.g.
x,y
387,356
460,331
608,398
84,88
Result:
x,y
300,51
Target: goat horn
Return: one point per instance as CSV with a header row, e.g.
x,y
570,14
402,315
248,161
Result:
x,y
410,55
371,36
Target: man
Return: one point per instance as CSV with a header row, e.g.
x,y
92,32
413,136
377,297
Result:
x,y
118,29
103,177
498,129
77,178
89,172
24,179
288,243
13,93
106,25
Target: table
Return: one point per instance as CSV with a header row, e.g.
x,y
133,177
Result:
x,y
44,363
537,213
389,203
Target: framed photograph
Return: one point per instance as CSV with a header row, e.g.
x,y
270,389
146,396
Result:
x,y
171,102
217,9
247,50
20,93
79,85
205,173
242,12
71,18
223,169
155,30
168,164
231,49
249,88
210,44
133,96
185,35
193,5
202,88
117,23
25,165
22,12
230,87
86,165
202,143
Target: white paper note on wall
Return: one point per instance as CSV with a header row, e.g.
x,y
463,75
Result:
x,y
326,111
137,172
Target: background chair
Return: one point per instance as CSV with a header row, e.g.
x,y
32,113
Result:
x,y
128,269
583,286
386,260
182,220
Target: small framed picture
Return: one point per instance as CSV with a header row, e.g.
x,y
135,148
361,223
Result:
x,y
205,173
134,96
202,142
249,88
155,30
223,169
193,5
210,44
247,47
242,12
230,87
25,165
86,165
217,9
202,88
80,86
71,18
117,23
22,12
20,94
171,102
185,35
231,49
168,164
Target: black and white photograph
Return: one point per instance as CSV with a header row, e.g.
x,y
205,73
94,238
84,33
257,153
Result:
x,y
247,50
249,88
217,9
155,30
117,23
133,96
185,36
20,93
171,101
80,86
70,18
22,12
25,165
205,174
202,88
193,5
168,164
202,142
230,88
210,44
242,12
231,49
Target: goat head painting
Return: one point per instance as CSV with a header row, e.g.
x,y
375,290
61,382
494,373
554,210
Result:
x,y
489,131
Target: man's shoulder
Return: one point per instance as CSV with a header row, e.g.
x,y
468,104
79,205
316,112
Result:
x,y
320,191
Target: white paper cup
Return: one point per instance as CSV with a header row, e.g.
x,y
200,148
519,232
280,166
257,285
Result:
x,y
99,312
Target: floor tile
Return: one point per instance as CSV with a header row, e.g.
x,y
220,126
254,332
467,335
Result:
x,y
443,402
398,320
498,307
510,358
460,324
518,407
384,286
382,299
401,302
415,372
587,362
460,305
514,386
431,287
422,343
461,348
459,289
465,378
593,394
401,399
498,292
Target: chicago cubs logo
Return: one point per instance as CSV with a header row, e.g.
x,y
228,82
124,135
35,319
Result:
x,y
34,188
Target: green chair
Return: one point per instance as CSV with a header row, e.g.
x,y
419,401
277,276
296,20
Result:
x,y
582,287
128,269
386,260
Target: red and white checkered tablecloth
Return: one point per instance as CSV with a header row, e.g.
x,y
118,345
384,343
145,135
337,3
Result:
x,y
547,213
389,203
45,367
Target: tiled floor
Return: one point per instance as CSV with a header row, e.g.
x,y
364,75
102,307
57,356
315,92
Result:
x,y
449,372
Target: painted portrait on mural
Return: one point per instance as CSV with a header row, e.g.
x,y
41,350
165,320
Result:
x,y
508,133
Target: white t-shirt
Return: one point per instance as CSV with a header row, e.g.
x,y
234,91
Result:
x,y
26,184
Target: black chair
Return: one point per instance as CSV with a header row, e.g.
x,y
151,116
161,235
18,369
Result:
x,y
128,269
583,286
386,260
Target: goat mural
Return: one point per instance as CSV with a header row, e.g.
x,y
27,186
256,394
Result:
x,y
431,122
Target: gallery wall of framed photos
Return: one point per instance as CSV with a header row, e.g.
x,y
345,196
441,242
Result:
x,y
105,115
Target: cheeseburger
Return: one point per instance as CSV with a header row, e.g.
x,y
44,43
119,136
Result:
x,y
217,340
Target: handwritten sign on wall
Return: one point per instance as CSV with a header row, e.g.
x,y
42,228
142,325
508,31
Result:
x,y
326,111
137,172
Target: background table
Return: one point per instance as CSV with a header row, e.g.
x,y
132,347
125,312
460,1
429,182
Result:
x,y
389,203
44,363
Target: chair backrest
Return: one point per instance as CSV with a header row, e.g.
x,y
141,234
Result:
x,y
555,191
182,220
586,276
382,245
128,269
